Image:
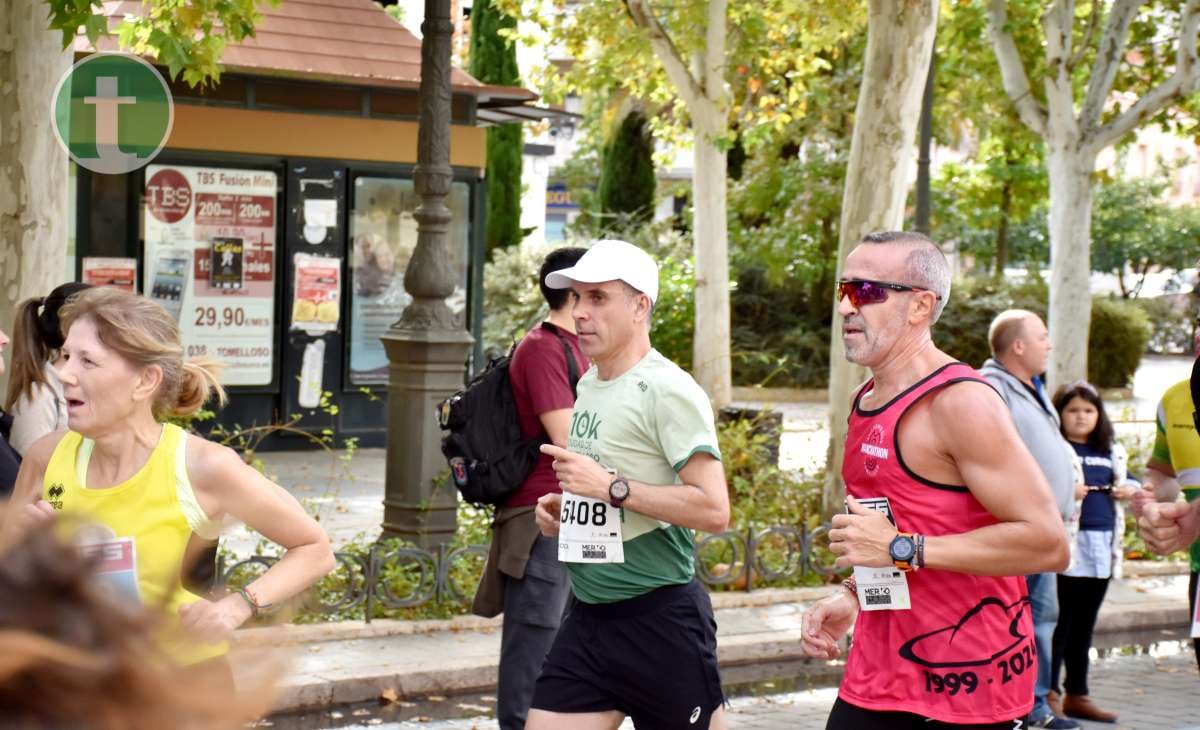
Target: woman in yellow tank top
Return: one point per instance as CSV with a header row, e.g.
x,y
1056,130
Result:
x,y
153,495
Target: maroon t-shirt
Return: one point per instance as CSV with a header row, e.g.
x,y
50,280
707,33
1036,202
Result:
x,y
538,373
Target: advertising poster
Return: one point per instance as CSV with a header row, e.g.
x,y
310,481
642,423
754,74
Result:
x,y
211,261
383,234
116,272
226,264
318,289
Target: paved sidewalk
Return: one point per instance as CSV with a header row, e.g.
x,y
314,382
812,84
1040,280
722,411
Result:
x,y
1154,690
349,662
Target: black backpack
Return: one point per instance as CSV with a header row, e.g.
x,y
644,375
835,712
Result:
x,y
489,459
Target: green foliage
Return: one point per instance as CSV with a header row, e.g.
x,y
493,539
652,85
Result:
x,y
983,205
760,493
675,311
1135,231
246,439
763,495
503,223
779,337
1116,341
512,301
493,60
627,182
395,12
783,240
186,37
772,48
493,56
974,303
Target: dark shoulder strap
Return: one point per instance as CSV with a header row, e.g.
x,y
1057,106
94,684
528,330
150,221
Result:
x,y
1196,392
572,366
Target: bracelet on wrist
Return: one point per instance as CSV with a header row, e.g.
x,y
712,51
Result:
x,y
920,558
851,585
251,600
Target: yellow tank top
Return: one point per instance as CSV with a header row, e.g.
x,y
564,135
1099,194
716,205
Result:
x,y
141,531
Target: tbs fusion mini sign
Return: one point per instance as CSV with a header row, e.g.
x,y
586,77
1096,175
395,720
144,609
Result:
x,y
112,112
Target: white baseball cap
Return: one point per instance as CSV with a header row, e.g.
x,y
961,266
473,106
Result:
x,y
610,260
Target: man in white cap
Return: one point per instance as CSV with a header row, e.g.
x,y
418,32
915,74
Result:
x,y
641,472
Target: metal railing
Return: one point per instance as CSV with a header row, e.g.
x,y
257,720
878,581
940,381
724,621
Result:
x,y
748,556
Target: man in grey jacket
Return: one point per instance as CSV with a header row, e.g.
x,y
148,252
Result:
x,y
1020,348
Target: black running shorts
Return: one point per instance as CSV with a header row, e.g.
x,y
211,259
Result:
x,y
652,657
846,716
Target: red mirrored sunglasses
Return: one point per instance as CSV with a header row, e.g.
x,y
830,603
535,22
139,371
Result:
x,y
863,291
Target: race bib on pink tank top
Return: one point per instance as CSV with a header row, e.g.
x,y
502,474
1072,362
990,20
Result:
x,y
964,651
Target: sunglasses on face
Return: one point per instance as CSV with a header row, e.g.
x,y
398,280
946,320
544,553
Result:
x,y
863,291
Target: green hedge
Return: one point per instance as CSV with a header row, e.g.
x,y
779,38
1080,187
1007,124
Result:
x,y
1117,339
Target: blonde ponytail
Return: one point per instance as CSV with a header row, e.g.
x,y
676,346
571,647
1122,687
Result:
x,y
198,383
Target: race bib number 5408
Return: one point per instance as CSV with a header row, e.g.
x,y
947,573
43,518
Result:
x,y
589,531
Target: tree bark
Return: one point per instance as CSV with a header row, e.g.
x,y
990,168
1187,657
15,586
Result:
x,y
899,47
1002,229
1070,312
33,166
703,93
711,360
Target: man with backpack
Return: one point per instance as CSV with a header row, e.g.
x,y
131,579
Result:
x,y
640,472
523,577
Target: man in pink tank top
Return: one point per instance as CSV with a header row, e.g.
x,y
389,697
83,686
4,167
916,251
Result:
x,y
947,512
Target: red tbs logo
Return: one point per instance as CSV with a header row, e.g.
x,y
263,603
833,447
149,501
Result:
x,y
873,450
168,196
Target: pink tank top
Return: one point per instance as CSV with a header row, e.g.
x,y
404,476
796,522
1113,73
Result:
x,y
964,653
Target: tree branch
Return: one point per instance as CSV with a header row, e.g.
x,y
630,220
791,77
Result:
x,y
1108,59
1185,80
1012,70
686,85
1088,36
1057,26
714,51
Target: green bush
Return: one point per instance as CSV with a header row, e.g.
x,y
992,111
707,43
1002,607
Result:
x,y
675,311
627,181
762,495
512,301
776,339
493,60
1116,341
974,303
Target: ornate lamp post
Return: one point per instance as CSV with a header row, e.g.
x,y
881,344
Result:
x,y
427,347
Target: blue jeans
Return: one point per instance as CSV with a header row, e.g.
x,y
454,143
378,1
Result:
x,y
1043,595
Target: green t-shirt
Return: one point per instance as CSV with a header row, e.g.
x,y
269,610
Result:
x,y
645,424
1177,443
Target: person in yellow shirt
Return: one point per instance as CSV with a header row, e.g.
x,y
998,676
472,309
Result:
x,y
153,495
1168,525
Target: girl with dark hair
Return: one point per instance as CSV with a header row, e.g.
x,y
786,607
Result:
x,y
35,394
1096,552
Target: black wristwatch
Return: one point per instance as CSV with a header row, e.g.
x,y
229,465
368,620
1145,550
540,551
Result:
x,y
618,491
903,550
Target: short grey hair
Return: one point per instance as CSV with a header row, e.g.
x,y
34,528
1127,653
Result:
x,y
926,265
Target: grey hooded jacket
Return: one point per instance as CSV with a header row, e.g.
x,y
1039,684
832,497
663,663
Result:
x,y
1039,429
